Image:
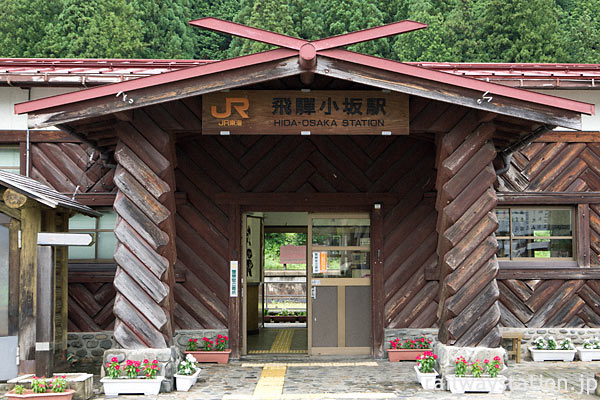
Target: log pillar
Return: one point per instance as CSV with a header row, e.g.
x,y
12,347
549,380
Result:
x,y
468,312
145,252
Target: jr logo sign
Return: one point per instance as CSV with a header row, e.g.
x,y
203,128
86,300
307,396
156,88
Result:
x,y
240,104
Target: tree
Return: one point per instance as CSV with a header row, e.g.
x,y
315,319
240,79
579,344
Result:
x,y
24,26
95,28
272,15
583,36
520,31
211,45
166,32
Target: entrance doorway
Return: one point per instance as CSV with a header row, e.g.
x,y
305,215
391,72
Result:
x,y
309,291
275,286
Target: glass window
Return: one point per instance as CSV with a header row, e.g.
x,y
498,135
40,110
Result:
x,y
10,159
341,247
534,232
102,228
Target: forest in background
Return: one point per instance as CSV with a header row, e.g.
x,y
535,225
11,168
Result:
x,y
459,30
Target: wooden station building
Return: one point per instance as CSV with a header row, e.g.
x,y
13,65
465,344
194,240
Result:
x,y
414,182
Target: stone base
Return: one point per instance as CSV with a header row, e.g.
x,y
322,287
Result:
x,y
168,360
83,384
447,356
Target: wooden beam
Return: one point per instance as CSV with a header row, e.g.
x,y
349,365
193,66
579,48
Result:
x,y
313,199
549,273
13,199
377,290
569,137
31,224
49,136
157,94
441,92
548,198
62,259
11,212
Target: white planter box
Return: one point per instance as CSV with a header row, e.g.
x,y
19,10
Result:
x,y
183,383
552,355
426,380
113,387
484,384
588,354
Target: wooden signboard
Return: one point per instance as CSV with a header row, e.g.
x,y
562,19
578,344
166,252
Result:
x,y
293,112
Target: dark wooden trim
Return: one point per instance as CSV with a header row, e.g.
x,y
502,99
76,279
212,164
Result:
x,y
95,199
569,137
377,283
549,273
548,198
304,200
23,159
582,235
234,315
46,136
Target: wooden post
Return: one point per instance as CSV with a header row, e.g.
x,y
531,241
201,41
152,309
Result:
x,y
234,313
377,285
62,290
14,277
31,222
468,301
44,346
145,231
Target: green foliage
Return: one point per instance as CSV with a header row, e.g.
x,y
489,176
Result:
x,y
97,28
459,30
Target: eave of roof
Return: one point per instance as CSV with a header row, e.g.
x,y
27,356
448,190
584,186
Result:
x,y
54,103
42,194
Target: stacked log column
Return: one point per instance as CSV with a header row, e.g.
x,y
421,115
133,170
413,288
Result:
x,y
468,309
145,252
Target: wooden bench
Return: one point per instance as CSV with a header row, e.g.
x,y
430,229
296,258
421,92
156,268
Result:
x,y
516,338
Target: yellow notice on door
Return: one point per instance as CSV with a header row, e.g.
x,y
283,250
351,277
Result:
x,y
319,262
323,262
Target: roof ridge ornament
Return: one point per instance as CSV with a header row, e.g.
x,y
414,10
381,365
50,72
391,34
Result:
x,y
307,49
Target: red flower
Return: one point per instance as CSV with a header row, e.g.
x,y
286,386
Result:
x,y
154,362
114,359
129,363
145,361
117,366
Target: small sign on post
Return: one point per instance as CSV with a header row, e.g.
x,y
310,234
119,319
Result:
x,y
233,278
65,239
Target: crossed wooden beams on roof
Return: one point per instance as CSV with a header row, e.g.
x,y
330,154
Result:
x,y
307,49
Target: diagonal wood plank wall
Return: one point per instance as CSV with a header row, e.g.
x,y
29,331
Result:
x,y
555,167
276,164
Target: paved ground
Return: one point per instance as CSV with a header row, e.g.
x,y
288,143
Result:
x,y
298,377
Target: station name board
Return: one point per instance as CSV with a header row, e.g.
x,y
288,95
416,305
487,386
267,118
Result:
x,y
293,112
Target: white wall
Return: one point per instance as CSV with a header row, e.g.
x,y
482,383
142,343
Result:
x,y
589,123
9,96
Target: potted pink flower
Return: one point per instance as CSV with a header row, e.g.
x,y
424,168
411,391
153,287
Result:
x,y
140,377
408,350
426,373
210,350
477,376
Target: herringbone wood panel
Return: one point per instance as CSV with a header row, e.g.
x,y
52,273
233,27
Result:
x,y
91,306
550,303
65,166
283,164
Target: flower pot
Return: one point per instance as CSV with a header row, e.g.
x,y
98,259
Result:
x,y
113,387
588,354
183,383
221,357
427,380
28,394
552,355
405,354
483,384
